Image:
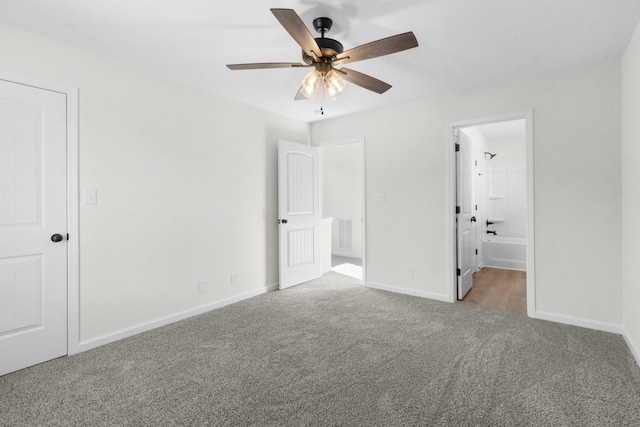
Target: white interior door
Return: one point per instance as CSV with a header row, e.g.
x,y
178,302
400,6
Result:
x,y
33,200
298,213
474,209
465,210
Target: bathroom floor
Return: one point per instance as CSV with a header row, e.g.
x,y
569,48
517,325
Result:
x,y
499,288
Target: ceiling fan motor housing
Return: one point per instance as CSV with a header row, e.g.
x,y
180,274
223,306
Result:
x,y
328,47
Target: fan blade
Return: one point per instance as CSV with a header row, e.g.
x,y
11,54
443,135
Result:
x,y
258,66
300,33
377,48
363,80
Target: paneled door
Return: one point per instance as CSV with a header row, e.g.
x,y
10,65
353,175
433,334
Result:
x,y
298,213
465,211
33,226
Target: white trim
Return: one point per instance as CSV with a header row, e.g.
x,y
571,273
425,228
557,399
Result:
x,y
501,268
166,320
364,213
406,291
73,264
635,350
576,321
531,232
347,253
73,226
450,213
527,115
356,140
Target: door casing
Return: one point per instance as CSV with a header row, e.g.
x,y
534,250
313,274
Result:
x,y
527,115
73,276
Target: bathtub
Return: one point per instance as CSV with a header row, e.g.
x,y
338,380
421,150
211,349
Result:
x,y
505,252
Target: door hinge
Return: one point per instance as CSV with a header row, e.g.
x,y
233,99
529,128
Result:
x,y
458,272
476,163
457,209
67,236
457,147
476,252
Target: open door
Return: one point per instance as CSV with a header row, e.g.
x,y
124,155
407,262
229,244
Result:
x,y
298,213
465,211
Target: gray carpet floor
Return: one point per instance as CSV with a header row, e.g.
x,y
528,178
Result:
x,y
330,353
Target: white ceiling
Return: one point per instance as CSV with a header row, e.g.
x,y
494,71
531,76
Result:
x,y
463,43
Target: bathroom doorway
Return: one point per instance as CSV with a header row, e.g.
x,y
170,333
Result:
x,y
342,209
493,220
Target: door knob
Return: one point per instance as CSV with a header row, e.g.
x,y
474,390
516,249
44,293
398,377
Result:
x,y
473,219
283,221
57,238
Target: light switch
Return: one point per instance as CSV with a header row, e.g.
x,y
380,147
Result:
x,y
379,197
90,196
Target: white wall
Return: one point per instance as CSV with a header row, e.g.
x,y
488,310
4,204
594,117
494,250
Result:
x,y
509,150
507,171
577,187
630,193
186,186
341,167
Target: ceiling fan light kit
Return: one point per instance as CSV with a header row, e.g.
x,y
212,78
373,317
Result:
x,y
333,84
310,84
323,53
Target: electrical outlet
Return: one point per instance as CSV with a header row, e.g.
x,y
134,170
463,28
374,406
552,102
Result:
x,y
409,272
234,278
202,286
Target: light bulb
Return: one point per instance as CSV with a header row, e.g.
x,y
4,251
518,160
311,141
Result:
x,y
310,84
333,85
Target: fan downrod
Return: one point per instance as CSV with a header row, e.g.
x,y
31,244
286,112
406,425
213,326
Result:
x,y
329,47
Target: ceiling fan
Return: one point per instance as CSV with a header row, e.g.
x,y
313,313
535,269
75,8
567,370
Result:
x,y
323,54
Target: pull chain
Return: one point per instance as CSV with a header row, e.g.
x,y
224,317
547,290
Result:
x,y
322,96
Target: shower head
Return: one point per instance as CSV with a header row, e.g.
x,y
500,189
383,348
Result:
x,y
491,156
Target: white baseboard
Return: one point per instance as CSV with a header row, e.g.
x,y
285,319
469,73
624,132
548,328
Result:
x,y
147,326
503,267
406,291
347,254
583,323
635,350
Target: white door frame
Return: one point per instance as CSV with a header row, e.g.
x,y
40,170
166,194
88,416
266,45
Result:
x,y
356,140
73,276
527,115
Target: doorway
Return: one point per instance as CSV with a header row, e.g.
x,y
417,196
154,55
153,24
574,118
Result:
x,y
342,208
492,219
